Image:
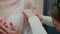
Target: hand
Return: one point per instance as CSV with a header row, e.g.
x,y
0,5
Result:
x,y
33,12
28,13
40,16
4,30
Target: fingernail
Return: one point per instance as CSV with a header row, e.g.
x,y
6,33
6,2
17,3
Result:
x,y
11,24
0,20
5,23
6,26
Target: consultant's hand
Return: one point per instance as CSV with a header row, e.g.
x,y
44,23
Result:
x,y
37,14
40,16
28,13
4,30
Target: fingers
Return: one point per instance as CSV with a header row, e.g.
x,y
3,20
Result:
x,y
0,20
33,7
4,28
29,12
3,32
26,13
25,16
14,28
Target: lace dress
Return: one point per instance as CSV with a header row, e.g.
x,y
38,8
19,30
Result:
x,y
17,19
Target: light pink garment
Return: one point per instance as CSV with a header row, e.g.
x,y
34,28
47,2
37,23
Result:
x,y
28,3
17,18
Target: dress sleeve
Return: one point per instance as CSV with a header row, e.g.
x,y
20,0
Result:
x,y
36,25
48,21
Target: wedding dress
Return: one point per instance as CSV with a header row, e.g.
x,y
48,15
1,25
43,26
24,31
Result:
x,y
17,19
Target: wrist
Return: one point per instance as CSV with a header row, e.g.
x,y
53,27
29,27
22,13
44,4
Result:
x,y
41,17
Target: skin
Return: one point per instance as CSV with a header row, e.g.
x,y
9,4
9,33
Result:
x,y
4,30
57,24
29,13
5,6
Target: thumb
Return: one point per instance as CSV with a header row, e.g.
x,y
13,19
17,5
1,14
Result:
x,y
14,28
